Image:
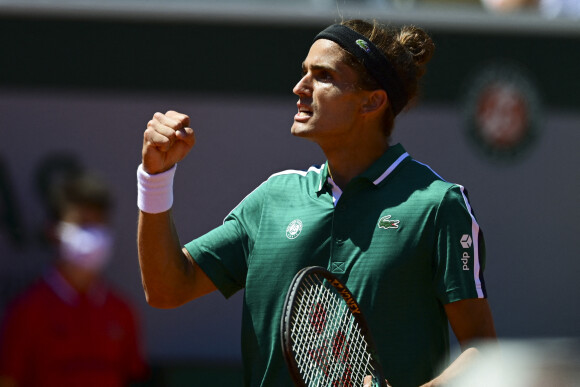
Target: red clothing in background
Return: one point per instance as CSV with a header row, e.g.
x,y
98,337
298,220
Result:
x,y
54,336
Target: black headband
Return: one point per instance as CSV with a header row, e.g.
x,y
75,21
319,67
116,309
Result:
x,y
372,59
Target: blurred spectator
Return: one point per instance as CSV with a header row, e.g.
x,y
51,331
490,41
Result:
x,y
524,363
548,8
70,329
555,8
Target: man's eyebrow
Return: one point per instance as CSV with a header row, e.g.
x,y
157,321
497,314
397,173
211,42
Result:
x,y
318,67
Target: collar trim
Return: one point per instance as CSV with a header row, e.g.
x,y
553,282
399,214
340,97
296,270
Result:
x,y
323,177
391,168
371,174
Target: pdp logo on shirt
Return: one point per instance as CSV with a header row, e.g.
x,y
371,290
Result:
x,y
466,243
294,229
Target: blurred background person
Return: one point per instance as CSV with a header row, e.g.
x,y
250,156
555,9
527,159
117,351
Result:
x,y
70,328
547,8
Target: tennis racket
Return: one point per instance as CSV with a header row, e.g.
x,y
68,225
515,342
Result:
x,y
325,338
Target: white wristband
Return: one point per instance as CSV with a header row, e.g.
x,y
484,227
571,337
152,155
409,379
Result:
x,y
155,192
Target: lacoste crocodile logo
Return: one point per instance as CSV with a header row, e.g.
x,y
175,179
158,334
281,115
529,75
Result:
x,y
363,44
386,222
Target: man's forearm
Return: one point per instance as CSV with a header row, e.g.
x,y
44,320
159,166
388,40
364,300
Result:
x,y
455,369
166,273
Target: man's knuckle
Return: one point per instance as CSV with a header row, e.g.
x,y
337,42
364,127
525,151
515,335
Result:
x,y
147,134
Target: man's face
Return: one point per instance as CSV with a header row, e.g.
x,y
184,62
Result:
x,y
329,100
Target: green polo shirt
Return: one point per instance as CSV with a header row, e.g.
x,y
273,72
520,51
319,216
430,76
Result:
x,y
402,239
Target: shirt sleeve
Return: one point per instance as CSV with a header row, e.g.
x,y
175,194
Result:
x,y
16,342
135,366
223,252
460,251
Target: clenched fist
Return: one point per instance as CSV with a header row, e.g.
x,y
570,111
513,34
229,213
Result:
x,y
166,141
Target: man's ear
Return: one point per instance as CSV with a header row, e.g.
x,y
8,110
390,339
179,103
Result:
x,y
376,100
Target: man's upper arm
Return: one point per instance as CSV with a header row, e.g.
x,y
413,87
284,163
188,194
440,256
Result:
x,y
471,320
203,285
222,254
460,249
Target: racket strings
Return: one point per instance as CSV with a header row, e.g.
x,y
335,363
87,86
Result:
x,y
329,346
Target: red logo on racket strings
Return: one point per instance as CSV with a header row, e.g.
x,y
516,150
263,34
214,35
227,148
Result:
x,y
318,318
346,296
340,347
339,357
321,359
345,380
341,354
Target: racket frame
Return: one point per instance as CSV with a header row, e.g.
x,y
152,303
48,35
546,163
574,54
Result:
x,y
349,299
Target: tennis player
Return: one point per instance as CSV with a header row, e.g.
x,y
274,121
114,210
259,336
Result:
x,y
404,240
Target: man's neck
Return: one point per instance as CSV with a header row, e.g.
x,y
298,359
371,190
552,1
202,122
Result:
x,y
346,163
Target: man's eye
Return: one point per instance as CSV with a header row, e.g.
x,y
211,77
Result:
x,y
325,76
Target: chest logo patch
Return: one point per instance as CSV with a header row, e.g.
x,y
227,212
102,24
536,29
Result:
x,y
294,229
386,222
